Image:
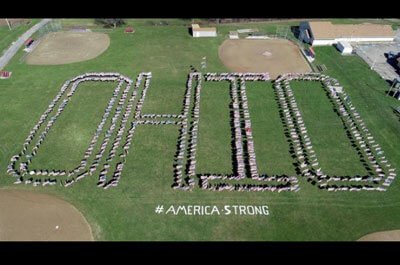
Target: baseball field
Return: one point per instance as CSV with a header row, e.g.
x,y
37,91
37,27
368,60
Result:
x,y
139,207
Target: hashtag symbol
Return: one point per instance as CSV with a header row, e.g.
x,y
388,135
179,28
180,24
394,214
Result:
x,y
159,209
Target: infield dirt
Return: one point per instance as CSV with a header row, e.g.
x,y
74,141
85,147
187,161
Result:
x,y
68,47
393,235
276,56
34,216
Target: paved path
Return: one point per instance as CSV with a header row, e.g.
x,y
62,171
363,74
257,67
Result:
x,y
374,55
13,49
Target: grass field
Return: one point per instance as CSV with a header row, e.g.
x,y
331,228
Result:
x,y
127,212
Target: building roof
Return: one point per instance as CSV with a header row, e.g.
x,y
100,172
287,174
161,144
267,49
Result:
x,y
196,27
345,44
327,30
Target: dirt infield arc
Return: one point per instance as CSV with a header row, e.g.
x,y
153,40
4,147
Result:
x,y
34,216
393,235
68,47
275,56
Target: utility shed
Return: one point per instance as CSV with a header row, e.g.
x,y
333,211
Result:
x,y
344,47
233,35
203,32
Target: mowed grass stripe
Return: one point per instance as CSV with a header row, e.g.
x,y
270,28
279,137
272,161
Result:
x,y
214,152
164,95
270,144
326,131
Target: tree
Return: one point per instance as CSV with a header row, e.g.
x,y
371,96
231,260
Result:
x,y
110,22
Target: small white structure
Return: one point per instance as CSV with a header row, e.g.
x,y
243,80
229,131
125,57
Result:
x,y
344,47
247,30
203,32
233,35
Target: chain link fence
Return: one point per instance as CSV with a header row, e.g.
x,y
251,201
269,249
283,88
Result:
x,y
53,26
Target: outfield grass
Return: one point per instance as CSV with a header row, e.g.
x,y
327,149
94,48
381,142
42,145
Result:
x,y
214,146
335,154
127,211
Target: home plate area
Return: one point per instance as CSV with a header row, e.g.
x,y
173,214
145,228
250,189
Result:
x,y
267,53
105,156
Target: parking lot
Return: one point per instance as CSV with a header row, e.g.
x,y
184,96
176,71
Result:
x,y
374,55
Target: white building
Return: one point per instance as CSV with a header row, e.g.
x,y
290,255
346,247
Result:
x,y
203,32
233,35
344,47
326,33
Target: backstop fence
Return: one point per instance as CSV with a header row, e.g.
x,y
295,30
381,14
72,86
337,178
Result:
x,y
52,26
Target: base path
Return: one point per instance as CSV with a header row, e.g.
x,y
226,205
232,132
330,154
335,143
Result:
x,y
13,49
275,56
393,235
34,216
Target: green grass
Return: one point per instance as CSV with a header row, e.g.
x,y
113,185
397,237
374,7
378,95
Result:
x,y
75,126
214,146
270,142
326,130
127,211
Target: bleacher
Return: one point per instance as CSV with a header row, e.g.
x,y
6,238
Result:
x,y
5,74
322,68
129,30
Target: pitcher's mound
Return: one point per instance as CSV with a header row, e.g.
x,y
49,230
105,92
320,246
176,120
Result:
x,y
393,235
276,56
33,216
68,47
